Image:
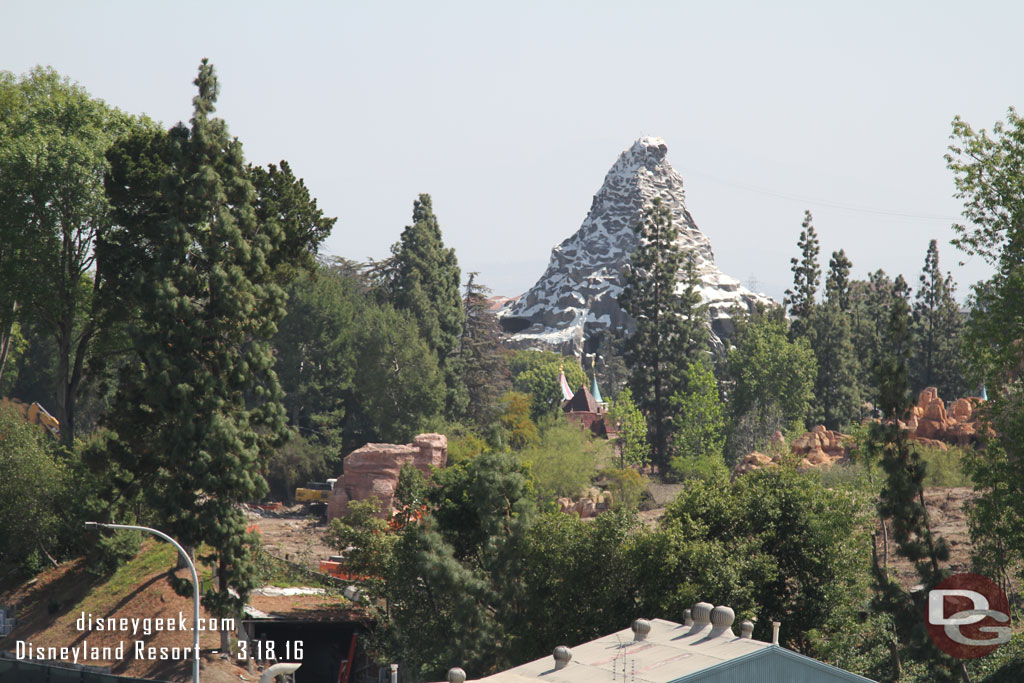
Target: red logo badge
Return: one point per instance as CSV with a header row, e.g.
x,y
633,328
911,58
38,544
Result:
x,y
968,616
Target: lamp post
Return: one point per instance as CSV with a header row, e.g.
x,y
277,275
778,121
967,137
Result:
x,y
195,581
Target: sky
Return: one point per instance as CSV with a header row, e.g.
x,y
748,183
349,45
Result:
x,y
510,114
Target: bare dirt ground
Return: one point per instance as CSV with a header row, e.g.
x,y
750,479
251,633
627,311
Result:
x,y
293,534
46,617
948,518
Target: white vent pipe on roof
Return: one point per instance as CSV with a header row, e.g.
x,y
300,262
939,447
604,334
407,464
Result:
x,y
721,622
775,632
747,629
641,627
701,613
687,619
563,656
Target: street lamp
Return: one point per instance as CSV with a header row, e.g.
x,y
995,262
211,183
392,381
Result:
x,y
195,580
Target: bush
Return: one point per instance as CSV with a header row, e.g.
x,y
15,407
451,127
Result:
x,y
627,487
710,467
944,467
112,551
565,459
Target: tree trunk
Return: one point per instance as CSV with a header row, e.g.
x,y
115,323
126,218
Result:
x,y
6,339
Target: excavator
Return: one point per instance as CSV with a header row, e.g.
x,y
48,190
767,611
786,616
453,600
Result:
x,y
33,414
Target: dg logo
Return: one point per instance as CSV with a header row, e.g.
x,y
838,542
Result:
x,y
968,616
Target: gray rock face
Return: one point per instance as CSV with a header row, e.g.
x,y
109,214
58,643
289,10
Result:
x,y
576,299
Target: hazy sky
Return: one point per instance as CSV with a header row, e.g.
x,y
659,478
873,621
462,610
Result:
x,y
510,114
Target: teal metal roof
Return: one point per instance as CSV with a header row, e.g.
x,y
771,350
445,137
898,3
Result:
x,y
772,665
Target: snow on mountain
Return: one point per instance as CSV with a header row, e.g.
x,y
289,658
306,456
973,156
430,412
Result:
x,y
576,299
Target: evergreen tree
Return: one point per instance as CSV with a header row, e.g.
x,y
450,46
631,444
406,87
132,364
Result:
x,y
837,284
836,386
671,329
424,280
201,405
400,388
806,275
485,371
938,327
315,348
284,201
871,302
901,500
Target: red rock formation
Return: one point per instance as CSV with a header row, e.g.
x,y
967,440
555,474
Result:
x,y
373,471
817,448
931,421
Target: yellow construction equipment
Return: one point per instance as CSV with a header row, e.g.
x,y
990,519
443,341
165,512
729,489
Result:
x,y
315,492
34,414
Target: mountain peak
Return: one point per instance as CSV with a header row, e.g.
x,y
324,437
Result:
x,y
575,302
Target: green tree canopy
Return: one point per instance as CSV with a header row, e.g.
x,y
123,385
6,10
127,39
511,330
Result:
x,y
200,405
768,368
536,373
671,326
53,142
425,281
700,424
938,328
632,442
806,276
484,360
32,484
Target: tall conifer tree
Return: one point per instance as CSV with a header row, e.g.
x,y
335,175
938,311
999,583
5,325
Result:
x,y
425,280
938,327
201,404
671,330
836,387
806,276
485,370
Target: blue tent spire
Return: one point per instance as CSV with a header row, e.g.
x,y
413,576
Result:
x,y
595,391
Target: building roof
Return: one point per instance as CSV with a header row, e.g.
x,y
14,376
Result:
x,y
704,650
581,402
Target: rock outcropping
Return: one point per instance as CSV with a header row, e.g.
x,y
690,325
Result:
x,y
932,423
373,471
576,299
818,448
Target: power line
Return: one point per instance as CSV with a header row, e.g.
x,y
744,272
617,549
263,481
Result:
x,y
824,202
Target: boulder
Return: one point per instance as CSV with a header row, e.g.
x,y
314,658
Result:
x,y
752,461
373,471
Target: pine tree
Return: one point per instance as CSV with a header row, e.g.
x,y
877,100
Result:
x,y
938,327
485,371
836,386
837,284
200,405
901,500
806,275
424,280
671,328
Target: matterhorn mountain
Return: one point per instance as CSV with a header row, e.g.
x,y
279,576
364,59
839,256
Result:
x,y
575,302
